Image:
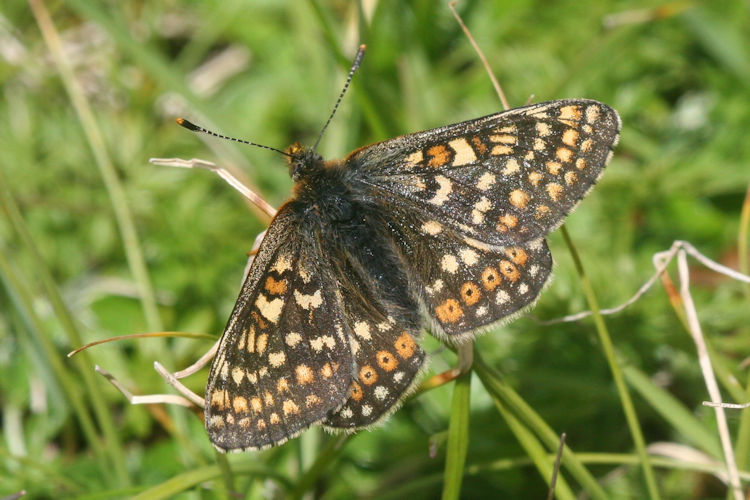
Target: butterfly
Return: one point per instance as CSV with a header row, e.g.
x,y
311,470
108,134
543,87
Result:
x,y
442,229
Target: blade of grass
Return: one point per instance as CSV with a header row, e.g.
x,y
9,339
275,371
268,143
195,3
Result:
x,y
609,353
743,435
330,452
22,300
535,451
673,411
458,437
508,397
186,480
104,417
123,216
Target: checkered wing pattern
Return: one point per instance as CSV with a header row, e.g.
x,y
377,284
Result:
x,y
388,360
284,361
466,284
504,179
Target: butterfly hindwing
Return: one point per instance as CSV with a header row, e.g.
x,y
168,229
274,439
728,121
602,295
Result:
x,y
284,361
503,179
388,360
466,284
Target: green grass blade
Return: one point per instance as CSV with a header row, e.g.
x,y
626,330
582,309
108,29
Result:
x,y
674,412
84,363
458,437
187,480
609,353
509,398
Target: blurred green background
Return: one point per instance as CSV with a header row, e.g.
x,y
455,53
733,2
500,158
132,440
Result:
x,y
96,242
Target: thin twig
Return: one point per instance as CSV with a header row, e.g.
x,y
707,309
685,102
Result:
x,y
171,380
142,400
495,83
202,361
661,260
708,373
225,174
556,469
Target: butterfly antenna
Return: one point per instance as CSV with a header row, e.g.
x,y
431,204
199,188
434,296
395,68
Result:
x,y
355,65
197,128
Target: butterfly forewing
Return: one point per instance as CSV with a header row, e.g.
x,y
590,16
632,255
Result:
x,y
284,360
503,179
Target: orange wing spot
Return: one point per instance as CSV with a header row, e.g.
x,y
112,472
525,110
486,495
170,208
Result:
x,y
470,293
368,375
274,418
275,287
571,177
449,311
386,360
586,145
219,400
479,145
570,137
258,320
490,279
304,374
509,270
240,405
542,211
554,190
506,222
517,255
256,404
570,113
289,407
326,371
405,346
311,400
519,198
356,392
282,385
439,155
580,163
553,167
564,154
244,423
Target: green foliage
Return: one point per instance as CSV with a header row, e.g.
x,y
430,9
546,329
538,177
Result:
x,y
71,272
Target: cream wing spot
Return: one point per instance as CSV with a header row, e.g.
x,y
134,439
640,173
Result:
x,y
237,374
592,113
283,263
307,302
519,198
270,309
362,329
511,167
469,256
276,359
292,339
464,153
415,158
449,263
486,181
444,189
432,227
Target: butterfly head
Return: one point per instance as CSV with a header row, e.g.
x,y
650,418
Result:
x,y
302,161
